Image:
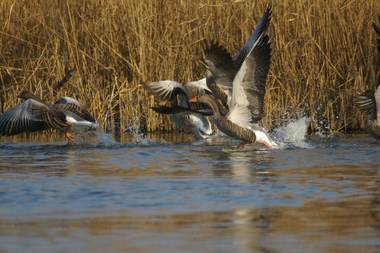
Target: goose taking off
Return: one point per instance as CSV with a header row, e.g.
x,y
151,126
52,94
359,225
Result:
x,y
369,101
183,114
247,98
66,115
220,65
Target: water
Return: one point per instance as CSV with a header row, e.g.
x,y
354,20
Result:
x,y
173,193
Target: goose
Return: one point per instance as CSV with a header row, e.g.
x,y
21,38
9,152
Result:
x,y
369,101
188,116
66,115
247,96
222,67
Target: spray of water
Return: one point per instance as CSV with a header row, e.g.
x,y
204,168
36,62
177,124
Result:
x,y
139,138
293,134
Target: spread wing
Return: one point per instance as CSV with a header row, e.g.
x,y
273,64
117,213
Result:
x,y
247,102
167,91
261,27
31,116
219,62
74,106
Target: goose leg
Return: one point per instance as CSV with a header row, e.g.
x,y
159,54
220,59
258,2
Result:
x,y
241,145
268,145
69,135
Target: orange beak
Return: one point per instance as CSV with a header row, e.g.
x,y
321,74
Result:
x,y
194,100
362,94
19,96
199,58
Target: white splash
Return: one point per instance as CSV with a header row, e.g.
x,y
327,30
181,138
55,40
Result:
x,y
294,133
105,139
139,138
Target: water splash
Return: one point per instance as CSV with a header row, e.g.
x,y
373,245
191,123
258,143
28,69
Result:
x,y
293,134
139,138
105,139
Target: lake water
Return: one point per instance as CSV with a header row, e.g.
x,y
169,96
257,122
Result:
x,y
174,193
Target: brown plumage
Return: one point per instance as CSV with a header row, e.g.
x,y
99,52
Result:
x,y
369,101
247,98
67,114
182,113
223,70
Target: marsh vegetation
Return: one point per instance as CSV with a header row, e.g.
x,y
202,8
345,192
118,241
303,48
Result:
x,y
322,51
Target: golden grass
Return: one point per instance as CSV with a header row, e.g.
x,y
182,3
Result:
x,y
322,50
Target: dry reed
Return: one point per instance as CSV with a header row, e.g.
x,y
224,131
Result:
x,y
322,50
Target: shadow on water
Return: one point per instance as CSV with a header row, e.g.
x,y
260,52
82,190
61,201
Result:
x,y
163,192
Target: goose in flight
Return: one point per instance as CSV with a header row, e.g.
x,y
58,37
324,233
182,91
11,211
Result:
x,y
66,115
222,67
188,116
247,97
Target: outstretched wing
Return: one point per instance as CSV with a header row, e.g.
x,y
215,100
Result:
x,y
219,62
167,91
30,116
247,102
261,27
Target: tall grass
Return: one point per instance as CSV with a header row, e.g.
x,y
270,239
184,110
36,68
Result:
x,y
322,50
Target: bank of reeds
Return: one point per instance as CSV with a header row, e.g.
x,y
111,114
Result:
x,y
322,50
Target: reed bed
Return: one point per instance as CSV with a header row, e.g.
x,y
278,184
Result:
x,y
322,50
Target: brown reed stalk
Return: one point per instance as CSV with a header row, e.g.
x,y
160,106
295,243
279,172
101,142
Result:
x,y
321,51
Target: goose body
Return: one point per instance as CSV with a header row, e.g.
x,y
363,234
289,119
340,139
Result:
x,y
66,115
247,98
183,114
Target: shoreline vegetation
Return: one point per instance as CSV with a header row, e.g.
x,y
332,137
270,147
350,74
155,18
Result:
x,y
322,50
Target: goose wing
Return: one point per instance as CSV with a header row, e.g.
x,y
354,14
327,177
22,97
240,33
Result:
x,y
362,102
172,110
167,91
220,63
31,116
74,106
247,102
261,27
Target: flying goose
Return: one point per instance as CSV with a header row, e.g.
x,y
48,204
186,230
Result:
x,y
66,115
183,114
222,67
247,97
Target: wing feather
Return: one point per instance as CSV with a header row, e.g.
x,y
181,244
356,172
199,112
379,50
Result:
x,y
249,84
30,116
74,106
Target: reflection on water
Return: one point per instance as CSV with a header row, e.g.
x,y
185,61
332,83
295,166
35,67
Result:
x,y
173,193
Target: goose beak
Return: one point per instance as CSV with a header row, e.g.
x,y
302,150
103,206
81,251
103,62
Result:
x,y
268,145
362,94
194,100
199,58
19,96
